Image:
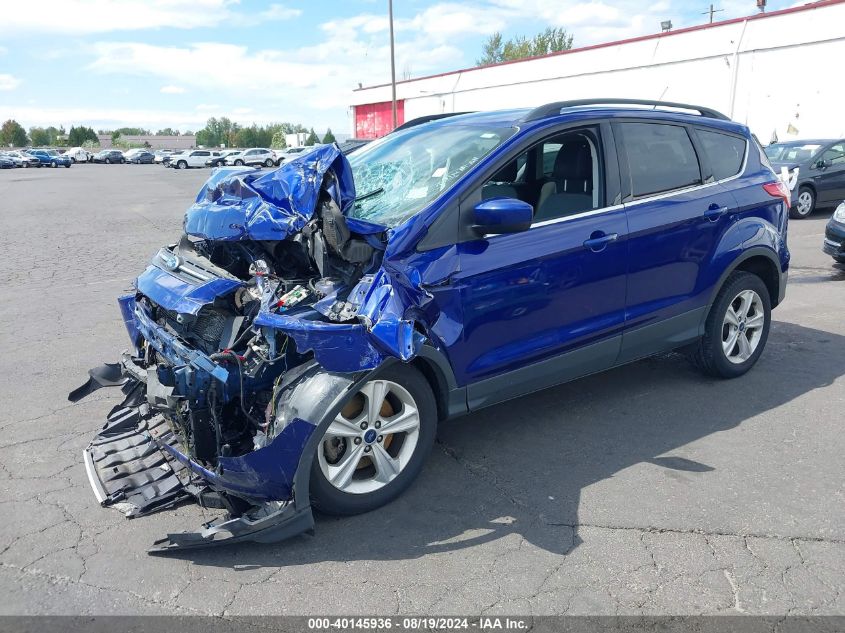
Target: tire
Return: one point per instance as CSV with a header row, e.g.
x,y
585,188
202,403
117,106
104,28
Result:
x,y
26,165
108,161
54,164
710,355
239,163
365,489
122,161
268,162
805,205
72,159
181,165
67,166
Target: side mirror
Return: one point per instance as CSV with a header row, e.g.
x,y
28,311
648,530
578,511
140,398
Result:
x,y
502,215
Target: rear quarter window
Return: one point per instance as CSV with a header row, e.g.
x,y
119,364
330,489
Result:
x,y
725,152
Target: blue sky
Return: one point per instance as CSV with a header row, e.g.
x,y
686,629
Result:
x,y
174,63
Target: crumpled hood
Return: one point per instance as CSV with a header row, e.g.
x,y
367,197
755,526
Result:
x,y
248,204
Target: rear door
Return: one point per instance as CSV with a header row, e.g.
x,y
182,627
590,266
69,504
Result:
x,y
677,212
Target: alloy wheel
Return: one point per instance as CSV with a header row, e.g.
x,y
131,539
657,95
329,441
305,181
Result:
x,y
805,203
371,440
742,327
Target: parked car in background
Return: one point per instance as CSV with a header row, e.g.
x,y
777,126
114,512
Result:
x,y
219,161
283,155
109,156
821,172
161,154
50,158
7,162
26,158
144,157
834,235
254,156
165,160
78,155
17,161
130,153
192,158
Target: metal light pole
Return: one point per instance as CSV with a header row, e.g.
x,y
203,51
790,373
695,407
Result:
x,y
392,65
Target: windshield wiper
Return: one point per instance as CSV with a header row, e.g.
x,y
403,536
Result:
x,y
372,193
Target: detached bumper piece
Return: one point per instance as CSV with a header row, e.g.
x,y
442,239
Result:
x,y
129,472
265,525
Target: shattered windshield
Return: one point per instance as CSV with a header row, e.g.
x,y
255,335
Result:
x,y
398,175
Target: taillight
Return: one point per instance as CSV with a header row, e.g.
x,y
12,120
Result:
x,y
778,189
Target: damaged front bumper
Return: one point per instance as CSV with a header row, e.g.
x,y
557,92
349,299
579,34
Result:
x,y
134,463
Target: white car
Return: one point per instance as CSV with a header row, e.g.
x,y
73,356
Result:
x,y
192,158
79,155
131,153
253,156
161,154
289,152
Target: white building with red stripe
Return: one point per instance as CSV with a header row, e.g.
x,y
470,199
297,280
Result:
x,y
778,72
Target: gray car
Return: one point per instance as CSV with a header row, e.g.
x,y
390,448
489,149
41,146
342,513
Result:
x,y
821,172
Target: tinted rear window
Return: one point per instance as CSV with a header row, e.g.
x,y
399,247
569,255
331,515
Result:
x,y
725,152
661,158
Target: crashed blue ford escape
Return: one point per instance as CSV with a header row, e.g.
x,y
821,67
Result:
x,y
299,344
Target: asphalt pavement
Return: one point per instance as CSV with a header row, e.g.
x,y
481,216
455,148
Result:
x,y
648,489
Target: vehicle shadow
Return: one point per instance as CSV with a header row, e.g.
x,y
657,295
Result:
x,y
519,468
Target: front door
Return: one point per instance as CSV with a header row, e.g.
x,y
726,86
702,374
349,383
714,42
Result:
x,y
829,178
545,305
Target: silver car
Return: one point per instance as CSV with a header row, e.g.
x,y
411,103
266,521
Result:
x,y
253,156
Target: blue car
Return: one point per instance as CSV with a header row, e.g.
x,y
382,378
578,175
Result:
x,y
50,158
299,344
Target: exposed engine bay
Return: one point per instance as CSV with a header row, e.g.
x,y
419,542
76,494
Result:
x,y
244,336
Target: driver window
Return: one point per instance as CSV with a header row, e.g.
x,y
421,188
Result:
x,y
559,176
835,154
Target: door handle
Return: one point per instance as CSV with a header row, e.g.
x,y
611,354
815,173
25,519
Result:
x,y
600,242
715,212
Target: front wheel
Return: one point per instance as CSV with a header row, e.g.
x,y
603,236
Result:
x,y
53,164
67,165
376,446
181,165
239,163
122,161
736,329
805,204
108,161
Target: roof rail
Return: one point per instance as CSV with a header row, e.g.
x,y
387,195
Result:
x,y
551,109
427,118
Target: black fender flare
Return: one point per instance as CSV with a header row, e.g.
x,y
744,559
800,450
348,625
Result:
x,y
754,251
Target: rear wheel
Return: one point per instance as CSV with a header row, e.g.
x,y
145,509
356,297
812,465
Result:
x,y
53,164
268,162
67,165
805,204
181,165
108,161
736,329
377,444
239,163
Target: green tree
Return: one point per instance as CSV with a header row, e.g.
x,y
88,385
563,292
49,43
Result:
x,y
185,133
77,136
12,133
312,138
278,140
168,131
496,50
329,137
115,136
39,136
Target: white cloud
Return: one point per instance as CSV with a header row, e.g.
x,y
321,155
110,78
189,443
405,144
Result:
x,y
78,17
9,82
280,12
172,90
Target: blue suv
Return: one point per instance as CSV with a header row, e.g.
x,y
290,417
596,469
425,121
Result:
x,y
300,343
